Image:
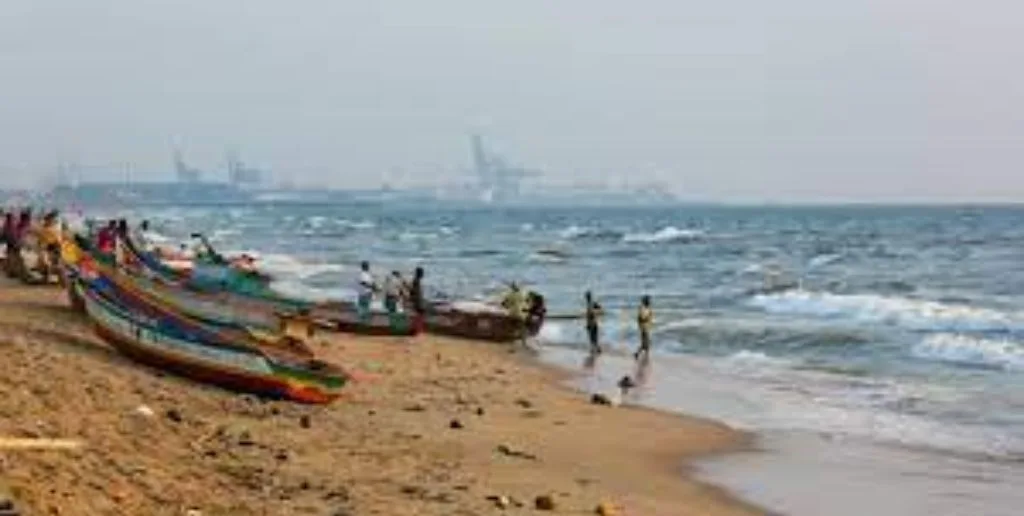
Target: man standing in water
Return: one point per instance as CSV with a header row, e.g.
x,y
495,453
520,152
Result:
x,y
593,312
365,289
644,320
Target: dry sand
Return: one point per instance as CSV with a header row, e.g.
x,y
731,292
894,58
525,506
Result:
x,y
386,448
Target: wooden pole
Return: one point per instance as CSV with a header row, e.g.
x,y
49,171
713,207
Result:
x,y
13,443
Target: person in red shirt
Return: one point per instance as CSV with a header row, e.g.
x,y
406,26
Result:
x,y
105,239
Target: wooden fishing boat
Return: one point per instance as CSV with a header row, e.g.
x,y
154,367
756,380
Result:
x,y
293,356
227,307
207,275
495,325
148,341
462,320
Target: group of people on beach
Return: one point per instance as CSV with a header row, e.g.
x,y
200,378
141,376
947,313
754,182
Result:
x,y
395,292
23,233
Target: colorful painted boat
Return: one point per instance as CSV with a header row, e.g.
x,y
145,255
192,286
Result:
x,y
457,320
147,340
208,276
227,307
292,357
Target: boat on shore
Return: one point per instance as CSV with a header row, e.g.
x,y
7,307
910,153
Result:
x,y
260,307
152,340
227,307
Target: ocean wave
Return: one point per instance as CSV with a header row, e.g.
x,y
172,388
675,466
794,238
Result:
x,y
914,314
220,235
299,290
357,224
316,222
475,253
665,234
963,349
549,256
582,233
822,260
410,236
288,267
751,358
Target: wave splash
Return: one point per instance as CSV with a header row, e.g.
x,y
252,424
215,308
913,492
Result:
x,y
914,314
963,349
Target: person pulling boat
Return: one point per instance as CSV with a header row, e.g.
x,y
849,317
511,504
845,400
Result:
x,y
515,303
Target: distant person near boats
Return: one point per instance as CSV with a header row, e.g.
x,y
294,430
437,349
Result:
x,y
105,239
48,238
414,299
10,242
515,303
592,314
365,288
536,313
393,292
644,321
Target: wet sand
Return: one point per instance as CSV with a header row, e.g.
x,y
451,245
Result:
x,y
156,444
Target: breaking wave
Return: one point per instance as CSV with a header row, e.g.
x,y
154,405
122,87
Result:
x,y
584,233
914,314
963,349
666,234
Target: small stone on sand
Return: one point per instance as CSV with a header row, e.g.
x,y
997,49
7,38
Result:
x,y
174,415
544,503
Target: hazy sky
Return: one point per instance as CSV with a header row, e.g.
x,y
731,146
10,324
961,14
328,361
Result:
x,y
731,99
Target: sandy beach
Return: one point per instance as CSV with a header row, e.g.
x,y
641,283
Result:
x,y
157,444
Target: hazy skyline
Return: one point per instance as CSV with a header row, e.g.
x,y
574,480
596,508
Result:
x,y
734,100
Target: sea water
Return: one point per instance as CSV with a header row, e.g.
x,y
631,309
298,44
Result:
x,y
889,381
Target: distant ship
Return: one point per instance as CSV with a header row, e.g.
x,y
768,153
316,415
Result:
x,y
188,188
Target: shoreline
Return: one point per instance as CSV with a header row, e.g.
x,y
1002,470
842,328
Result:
x,y
436,426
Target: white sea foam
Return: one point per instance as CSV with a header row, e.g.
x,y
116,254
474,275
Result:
x,y
316,222
298,290
577,232
286,266
418,235
750,358
963,349
358,224
822,260
909,313
665,234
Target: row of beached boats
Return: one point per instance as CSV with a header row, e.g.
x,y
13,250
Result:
x,y
227,327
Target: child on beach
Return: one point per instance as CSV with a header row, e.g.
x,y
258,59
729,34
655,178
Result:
x,y
644,321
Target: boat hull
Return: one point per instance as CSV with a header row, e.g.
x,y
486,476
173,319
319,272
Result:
x,y
234,370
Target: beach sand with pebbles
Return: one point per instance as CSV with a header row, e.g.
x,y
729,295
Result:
x,y
432,427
